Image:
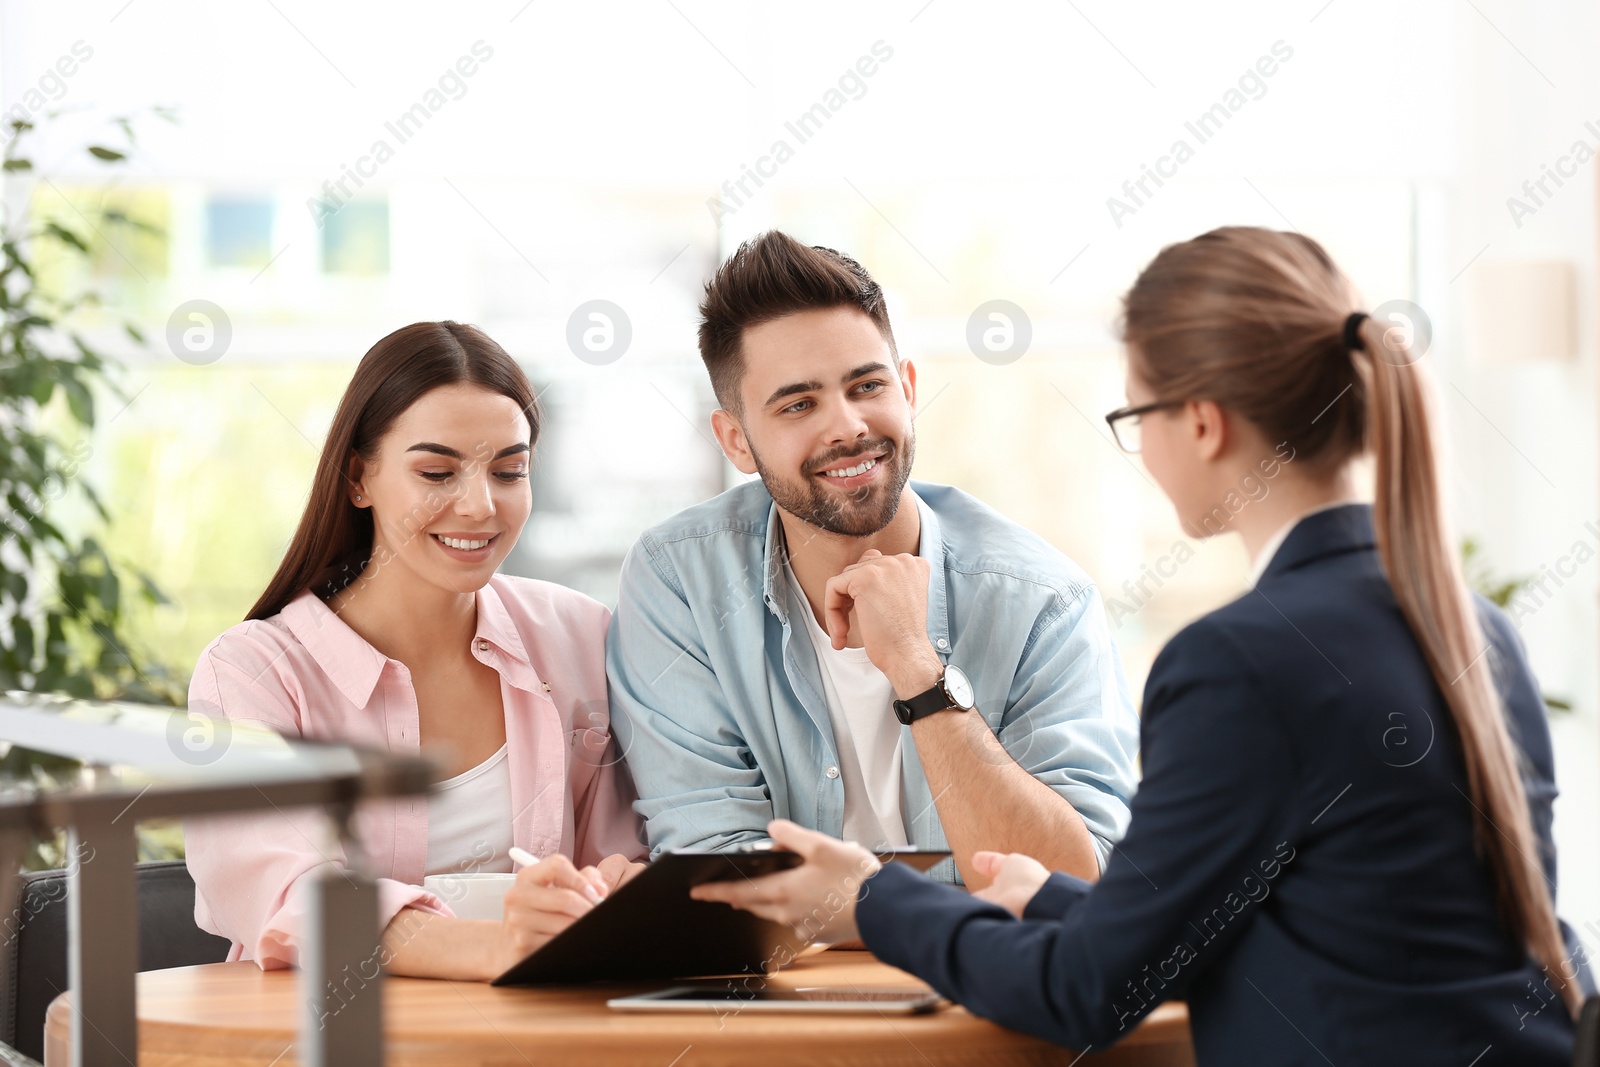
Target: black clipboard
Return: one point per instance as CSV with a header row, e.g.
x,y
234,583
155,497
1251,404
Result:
x,y
651,929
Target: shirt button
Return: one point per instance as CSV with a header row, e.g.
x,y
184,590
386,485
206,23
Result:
x,y
483,646
832,772
943,643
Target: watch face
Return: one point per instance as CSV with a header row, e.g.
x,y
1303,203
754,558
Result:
x,y
959,687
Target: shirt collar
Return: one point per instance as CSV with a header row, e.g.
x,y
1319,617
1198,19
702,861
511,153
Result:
x,y
344,655
353,665
496,626
1270,550
930,546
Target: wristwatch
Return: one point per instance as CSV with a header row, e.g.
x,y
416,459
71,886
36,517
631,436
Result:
x,y
952,692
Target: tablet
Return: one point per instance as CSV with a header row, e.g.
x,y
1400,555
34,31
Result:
x,y
651,929
727,1000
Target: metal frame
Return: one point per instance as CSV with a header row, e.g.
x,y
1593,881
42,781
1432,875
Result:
x,y
103,932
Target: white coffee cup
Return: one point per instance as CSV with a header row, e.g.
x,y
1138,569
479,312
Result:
x,y
472,894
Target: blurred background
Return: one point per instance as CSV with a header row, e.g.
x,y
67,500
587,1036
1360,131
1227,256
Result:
x,y
302,178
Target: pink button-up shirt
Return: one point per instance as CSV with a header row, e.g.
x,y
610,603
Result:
x,y
305,673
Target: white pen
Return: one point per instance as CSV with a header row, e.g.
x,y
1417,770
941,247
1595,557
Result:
x,y
523,858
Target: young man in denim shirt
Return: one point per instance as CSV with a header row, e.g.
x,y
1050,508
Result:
x,y
887,661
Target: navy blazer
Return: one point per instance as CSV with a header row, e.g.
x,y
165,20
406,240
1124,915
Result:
x,y
1300,863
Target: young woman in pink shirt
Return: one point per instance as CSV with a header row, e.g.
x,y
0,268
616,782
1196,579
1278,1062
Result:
x,y
386,626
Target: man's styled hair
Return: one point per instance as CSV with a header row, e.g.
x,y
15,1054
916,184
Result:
x,y
770,276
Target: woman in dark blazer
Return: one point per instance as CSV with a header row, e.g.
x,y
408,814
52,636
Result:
x,y
1340,851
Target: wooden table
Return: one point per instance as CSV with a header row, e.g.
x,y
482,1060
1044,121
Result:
x,y
229,1014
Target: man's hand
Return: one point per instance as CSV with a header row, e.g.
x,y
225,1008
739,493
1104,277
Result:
x,y
817,898
888,595
1015,879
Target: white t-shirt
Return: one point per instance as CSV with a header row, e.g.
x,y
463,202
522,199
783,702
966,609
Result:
x,y
865,732
469,819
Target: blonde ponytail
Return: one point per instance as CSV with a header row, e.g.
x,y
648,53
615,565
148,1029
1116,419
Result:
x,y
1419,557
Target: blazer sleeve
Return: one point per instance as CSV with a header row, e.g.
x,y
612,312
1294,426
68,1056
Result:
x,y
252,872
1527,725
1059,893
1210,830
698,787
1530,733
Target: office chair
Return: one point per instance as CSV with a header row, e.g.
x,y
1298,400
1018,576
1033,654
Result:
x,y
36,965
1586,1049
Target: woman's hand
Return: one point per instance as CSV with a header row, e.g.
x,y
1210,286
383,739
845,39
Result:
x,y
546,898
817,898
617,870
1015,879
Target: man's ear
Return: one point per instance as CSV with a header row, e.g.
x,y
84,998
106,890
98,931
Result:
x,y
1208,424
730,436
908,382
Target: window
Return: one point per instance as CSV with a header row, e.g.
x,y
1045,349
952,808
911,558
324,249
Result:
x,y
355,239
239,232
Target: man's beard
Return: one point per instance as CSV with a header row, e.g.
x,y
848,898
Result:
x,y
860,513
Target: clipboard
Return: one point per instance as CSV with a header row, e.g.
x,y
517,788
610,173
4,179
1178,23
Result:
x,y
650,929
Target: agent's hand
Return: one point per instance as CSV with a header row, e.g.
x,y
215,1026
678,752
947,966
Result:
x,y
546,898
817,898
888,596
617,870
1015,879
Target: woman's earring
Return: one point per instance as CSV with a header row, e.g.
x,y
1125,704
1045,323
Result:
x,y
358,496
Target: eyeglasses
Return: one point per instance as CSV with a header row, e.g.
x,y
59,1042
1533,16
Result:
x,y
1124,423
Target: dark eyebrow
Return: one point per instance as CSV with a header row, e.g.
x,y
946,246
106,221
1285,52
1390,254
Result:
x,y
446,450
791,389
864,370
806,387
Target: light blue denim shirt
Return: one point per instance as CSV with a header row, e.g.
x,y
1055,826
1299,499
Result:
x,y
717,702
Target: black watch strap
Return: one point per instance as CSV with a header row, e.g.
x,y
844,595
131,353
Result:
x,y
931,702
922,705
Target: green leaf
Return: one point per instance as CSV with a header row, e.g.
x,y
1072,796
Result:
x,y
150,590
23,639
18,164
13,258
111,593
66,236
122,218
95,502
79,400
74,590
107,154
134,332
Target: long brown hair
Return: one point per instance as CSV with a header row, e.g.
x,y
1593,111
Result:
x,y
1253,320
333,543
